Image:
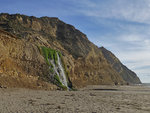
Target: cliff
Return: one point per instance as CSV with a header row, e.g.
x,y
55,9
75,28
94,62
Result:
x,y
85,63
127,75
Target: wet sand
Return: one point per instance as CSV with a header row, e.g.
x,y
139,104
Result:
x,y
92,99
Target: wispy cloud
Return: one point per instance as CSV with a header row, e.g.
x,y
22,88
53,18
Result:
x,y
130,10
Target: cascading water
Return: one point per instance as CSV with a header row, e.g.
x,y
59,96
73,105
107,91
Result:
x,y
62,75
54,60
59,70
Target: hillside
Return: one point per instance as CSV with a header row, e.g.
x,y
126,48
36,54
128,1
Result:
x,y
127,75
85,63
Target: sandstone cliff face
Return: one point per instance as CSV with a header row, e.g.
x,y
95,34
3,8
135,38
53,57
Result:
x,y
85,62
21,64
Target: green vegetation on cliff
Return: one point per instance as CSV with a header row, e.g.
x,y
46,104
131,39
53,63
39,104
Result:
x,y
51,54
59,83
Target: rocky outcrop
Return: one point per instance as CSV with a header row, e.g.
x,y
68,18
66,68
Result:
x,y
85,62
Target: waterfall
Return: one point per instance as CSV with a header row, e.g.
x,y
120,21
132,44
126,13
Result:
x,y
59,70
57,73
62,74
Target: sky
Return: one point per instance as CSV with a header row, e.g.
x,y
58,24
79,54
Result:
x,y
121,26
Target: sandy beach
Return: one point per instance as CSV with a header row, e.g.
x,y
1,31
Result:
x,y
92,99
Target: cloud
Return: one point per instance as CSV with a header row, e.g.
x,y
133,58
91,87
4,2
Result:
x,y
130,10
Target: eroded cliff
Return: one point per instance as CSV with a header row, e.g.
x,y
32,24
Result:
x,y
85,62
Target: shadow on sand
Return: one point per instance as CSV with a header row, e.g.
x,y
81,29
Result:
x,y
99,89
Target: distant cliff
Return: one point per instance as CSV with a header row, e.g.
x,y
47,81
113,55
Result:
x,y
85,63
127,75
